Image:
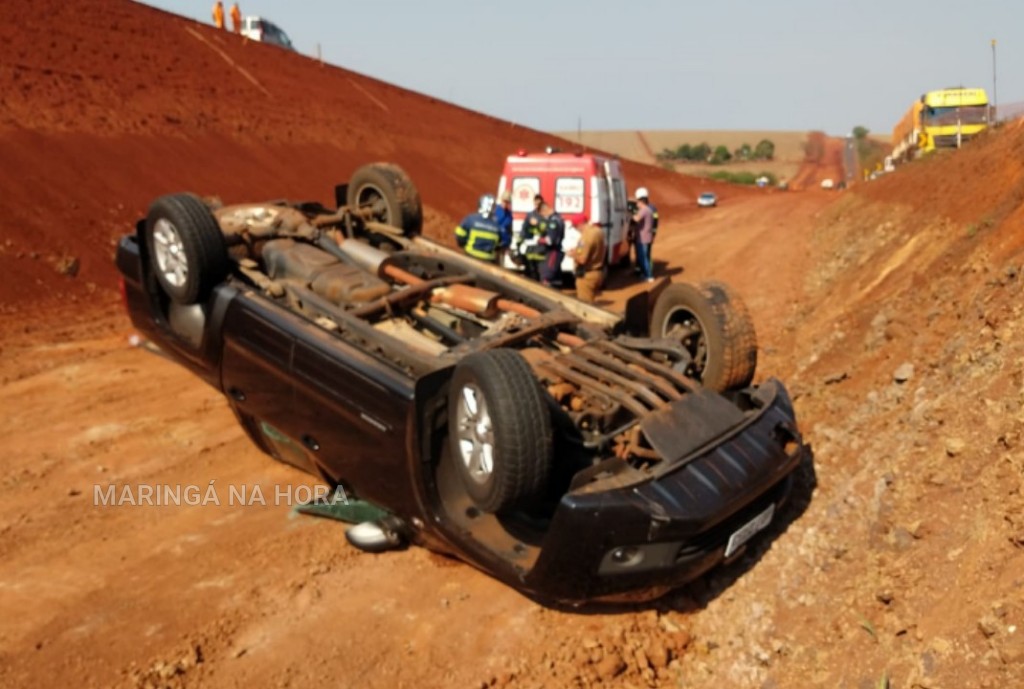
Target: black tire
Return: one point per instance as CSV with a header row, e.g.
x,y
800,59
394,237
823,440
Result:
x,y
519,424
390,193
714,325
186,248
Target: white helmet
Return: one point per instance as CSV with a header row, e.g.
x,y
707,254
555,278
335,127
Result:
x,y
486,205
641,193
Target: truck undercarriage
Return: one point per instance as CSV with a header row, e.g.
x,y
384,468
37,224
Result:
x,y
528,415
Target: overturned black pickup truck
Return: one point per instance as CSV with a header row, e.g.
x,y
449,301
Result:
x,y
574,453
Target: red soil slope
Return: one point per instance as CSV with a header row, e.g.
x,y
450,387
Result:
x,y
106,104
981,184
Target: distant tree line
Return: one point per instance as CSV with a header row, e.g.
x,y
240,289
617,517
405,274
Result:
x,y
703,153
745,177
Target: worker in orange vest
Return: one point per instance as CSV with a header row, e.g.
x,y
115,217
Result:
x,y
218,14
236,18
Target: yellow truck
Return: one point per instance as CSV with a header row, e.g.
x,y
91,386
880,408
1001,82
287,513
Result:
x,y
940,119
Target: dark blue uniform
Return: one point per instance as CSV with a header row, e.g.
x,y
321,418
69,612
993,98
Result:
x,y
479,236
533,228
554,233
503,219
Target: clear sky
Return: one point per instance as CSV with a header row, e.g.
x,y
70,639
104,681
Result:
x,y
664,64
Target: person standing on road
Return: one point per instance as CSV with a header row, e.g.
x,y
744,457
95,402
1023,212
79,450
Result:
x,y
236,18
503,218
644,222
218,14
589,256
528,243
554,233
478,235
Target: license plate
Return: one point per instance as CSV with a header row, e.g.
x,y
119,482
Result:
x,y
743,534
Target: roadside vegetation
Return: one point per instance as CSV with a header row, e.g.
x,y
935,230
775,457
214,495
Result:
x,y
720,154
744,177
702,154
870,152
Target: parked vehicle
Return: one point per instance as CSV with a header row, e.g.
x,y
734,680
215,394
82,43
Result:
x,y
573,453
945,118
576,185
265,31
707,200
827,183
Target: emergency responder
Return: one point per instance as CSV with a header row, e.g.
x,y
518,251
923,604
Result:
x,y
633,241
503,218
236,18
478,235
554,233
589,256
534,227
643,220
218,14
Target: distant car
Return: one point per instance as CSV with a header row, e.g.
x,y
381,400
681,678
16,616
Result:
x,y
827,183
259,29
707,200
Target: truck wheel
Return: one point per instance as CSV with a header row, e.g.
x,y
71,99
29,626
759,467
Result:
x,y
186,247
385,189
499,430
714,326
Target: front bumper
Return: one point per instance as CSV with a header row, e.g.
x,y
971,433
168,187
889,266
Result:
x,y
638,541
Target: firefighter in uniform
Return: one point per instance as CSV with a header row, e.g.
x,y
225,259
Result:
x,y
478,235
503,218
527,244
589,256
554,233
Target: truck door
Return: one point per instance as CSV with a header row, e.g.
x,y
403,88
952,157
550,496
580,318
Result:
x,y
618,221
356,413
570,200
601,207
259,343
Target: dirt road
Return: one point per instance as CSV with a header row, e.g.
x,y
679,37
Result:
x,y
258,591
825,159
225,594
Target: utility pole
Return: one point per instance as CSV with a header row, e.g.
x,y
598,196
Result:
x,y
995,93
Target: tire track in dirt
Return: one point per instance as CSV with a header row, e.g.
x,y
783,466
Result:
x,y
241,70
652,156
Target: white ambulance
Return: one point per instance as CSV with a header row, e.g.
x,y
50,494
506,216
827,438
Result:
x,y
581,187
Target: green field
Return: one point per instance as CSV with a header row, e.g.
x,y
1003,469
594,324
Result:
x,y
643,146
